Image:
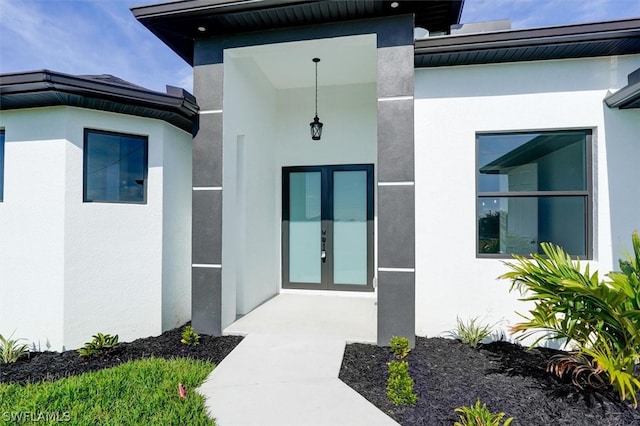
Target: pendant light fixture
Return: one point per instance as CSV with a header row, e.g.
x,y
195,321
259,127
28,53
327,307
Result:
x,y
316,124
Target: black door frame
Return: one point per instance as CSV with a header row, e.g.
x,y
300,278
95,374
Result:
x,y
326,213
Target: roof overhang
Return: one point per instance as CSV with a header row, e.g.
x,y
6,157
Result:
x,y
531,151
571,41
627,97
47,88
178,24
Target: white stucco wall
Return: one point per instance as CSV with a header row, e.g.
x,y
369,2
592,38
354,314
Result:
x,y
89,267
176,227
249,272
451,105
264,130
32,218
622,130
349,135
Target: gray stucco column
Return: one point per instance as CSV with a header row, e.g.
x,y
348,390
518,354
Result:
x,y
206,289
396,194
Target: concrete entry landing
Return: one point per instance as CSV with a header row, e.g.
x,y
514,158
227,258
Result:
x,y
352,317
285,371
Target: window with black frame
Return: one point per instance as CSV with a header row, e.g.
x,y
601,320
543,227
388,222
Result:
x,y
533,187
115,167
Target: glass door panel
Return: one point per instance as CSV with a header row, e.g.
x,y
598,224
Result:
x,y
350,227
304,227
327,227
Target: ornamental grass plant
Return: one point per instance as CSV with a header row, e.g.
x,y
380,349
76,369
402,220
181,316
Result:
x,y
471,332
11,349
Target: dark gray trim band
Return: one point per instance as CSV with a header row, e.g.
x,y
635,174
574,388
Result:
x,y
391,31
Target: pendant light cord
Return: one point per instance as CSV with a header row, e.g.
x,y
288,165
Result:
x,y
316,60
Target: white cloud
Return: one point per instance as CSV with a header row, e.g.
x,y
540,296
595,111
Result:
x,y
86,37
30,35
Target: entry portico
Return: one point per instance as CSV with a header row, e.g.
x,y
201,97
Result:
x,y
253,154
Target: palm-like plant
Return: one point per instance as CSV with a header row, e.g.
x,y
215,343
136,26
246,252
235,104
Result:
x,y
601,316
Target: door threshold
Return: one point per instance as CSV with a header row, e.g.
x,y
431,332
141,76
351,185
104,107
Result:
x,y
333,293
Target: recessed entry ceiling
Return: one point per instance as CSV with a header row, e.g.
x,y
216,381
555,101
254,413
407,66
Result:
x,y
343,60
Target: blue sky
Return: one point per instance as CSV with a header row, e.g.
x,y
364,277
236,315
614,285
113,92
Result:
x,y
103,37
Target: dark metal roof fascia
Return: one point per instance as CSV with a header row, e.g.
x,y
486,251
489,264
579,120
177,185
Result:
x,y
198,7
459,15
537,37
48,81
174,23
180,43
627,97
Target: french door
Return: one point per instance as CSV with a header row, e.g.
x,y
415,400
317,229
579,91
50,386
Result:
x,y
327,227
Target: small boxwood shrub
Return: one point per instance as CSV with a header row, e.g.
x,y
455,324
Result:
x,y
190,337
400,384
400,346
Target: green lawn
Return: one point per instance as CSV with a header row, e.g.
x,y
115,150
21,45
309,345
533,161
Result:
x,y
135,393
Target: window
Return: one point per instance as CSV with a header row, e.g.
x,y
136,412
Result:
x,y
1,165
532,188
115,167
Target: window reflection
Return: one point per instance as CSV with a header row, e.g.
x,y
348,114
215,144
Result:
x,y
532,188
115,167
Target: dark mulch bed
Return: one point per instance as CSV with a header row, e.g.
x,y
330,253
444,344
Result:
x,y
55,365
447,374
507,377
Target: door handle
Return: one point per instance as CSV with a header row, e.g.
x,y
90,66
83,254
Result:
x,y
323,253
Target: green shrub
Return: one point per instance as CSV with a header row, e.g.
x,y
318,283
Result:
x,y
190,337
471,332
602,317
11,350
400,346
99,343
400,384
479,415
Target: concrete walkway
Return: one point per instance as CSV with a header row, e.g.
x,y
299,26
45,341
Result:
x,y
285,371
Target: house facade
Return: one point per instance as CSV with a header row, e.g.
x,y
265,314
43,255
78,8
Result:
x,y
445,149
95,218
443,152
